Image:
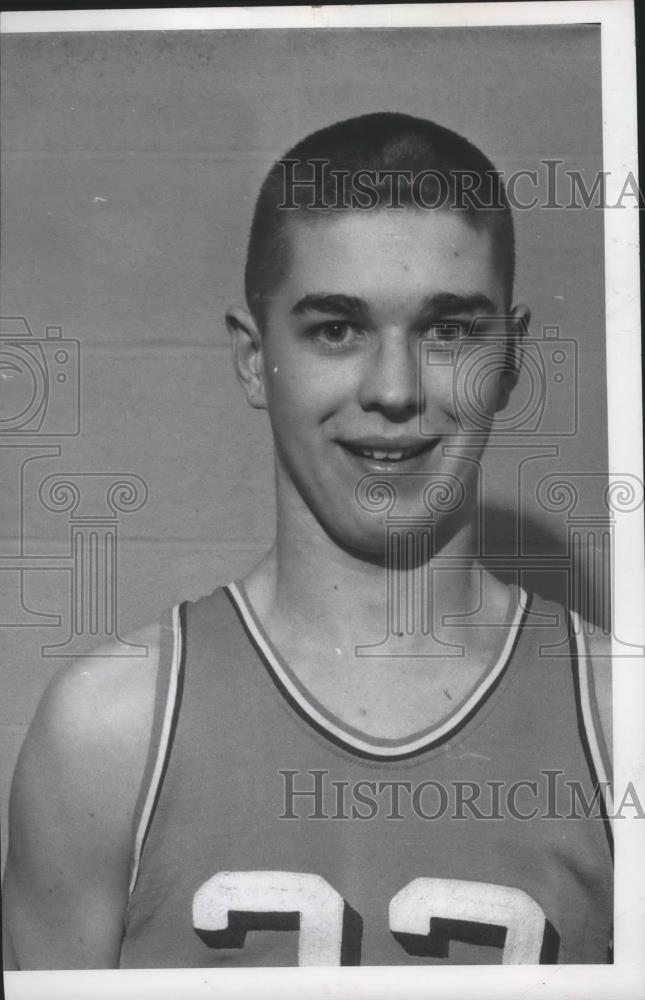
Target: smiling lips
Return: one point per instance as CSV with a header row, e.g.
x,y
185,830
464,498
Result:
x,y
383,450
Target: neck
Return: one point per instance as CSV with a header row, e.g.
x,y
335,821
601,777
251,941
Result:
x,y
308,582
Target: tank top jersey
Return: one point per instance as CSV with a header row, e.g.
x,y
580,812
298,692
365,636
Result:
x,y
270,833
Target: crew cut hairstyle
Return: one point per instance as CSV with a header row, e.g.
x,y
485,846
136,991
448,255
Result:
x,y
350,165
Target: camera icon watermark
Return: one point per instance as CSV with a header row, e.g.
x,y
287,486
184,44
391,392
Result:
x,y
543,372
39,402
411,505
40,381
576,558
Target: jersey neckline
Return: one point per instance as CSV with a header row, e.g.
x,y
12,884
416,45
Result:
x,y
347,736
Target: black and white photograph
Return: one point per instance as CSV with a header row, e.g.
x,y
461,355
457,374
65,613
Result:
x,y
322,564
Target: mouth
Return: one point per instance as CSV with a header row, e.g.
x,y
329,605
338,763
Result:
x,y
389,453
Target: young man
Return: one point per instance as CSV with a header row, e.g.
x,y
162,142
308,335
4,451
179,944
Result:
x,y
276,783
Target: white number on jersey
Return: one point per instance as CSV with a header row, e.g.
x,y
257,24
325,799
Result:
x,y
457,899
320,910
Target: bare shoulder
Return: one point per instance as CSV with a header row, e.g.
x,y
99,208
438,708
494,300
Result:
x,y
71,809
100,705
599,646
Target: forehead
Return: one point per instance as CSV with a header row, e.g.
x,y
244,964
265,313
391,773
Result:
x,y
390,255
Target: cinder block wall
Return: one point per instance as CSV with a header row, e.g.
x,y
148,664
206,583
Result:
x,y
130,166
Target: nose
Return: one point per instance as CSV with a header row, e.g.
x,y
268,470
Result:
x,y
391,381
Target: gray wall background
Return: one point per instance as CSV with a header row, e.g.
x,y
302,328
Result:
x,y
130,165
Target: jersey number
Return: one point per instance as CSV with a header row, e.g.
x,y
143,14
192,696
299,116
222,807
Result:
x,y
319,910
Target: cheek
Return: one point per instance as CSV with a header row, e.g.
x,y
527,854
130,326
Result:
x,y
471,386
439,386
298,402
299,387
481,384
283,379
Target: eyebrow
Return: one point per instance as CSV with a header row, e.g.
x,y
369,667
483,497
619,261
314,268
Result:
x,y
441,304
448,303
336,304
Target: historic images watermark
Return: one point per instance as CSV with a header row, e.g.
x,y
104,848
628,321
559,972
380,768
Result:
x,y
40,408
547,187
475,353
316,795
464,362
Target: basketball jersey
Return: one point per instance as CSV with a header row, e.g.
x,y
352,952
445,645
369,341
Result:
x,y
270,833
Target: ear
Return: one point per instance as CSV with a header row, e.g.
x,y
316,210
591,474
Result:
x,y
248,360
518,326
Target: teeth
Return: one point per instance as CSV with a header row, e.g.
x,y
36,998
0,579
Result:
x,y
387,456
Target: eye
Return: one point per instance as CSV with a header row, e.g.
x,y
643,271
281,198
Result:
x,y
9,370
448,330
336,334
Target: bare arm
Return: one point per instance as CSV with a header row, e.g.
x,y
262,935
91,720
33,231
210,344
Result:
x,y
71,809
600,654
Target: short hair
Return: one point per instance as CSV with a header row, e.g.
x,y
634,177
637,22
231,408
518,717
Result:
x,y
378,144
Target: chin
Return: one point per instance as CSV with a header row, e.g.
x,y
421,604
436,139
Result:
x,y
366,541
370,541
418,537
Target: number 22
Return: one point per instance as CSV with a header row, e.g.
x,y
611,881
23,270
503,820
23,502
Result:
x,y
320,909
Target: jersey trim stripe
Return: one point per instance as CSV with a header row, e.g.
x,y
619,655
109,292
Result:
x,y
384,749
590,738
169,724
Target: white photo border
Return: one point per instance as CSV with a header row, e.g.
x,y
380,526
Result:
x,y
626,977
